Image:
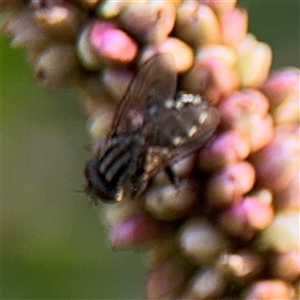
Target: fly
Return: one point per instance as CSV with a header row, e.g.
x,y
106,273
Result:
x,y
153,128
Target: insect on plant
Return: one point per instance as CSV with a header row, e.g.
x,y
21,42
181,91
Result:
x,y
153,128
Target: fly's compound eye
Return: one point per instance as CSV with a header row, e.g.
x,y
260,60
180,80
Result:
x,y
98,187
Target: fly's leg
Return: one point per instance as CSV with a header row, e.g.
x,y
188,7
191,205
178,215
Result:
x,y
172,177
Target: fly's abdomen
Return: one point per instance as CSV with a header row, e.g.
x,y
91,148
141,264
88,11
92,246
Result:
x,y
188,123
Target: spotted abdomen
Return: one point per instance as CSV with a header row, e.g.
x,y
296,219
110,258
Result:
x,y
186,125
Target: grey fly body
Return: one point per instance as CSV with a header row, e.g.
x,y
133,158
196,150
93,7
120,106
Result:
x,y
153,128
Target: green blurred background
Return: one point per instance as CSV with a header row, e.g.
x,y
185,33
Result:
x,y
53,244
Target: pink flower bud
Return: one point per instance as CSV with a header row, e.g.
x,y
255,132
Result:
x,y
269,289
247,104
226,149
135,231
246,112
220,7
110,42
234,25
231,183
283,89
280,85
103,42
277,163
212,77
243,218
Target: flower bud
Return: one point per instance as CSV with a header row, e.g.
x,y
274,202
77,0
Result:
x,y
288,112
165,280
288,198
103,41
254,61
278,162
170,202
59,19
220,7
200,241
207,284
135,231
57,65
212,75
240,267
109,9
246,112
282,89
23,30
234,25
99,123
231,183
283,233
184,167
149,22
286,265
226,149
181,52
122,211
245,217
281,85
202,29
219,52
269,289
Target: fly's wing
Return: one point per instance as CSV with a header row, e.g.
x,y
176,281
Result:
x,y
198,134
183,130
155,82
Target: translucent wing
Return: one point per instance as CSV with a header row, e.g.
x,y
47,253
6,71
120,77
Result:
x,y
155,82
183,130
199,133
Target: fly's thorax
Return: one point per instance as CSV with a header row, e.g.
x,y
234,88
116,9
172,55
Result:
x,y
110,174
121,156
